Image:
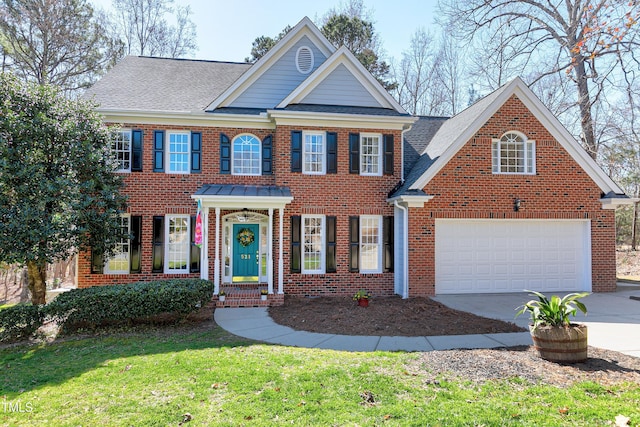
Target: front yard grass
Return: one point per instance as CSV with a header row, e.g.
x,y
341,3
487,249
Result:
x,y
208,377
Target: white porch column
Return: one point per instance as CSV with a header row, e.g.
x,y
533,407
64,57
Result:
x,y
204,249
270,252
280,254
216,261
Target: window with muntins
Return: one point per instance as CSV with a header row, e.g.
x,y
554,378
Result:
x,y
178,152
370,154
313,256
120,261
178,244
513,153
247,155
370,244
314,153
121,148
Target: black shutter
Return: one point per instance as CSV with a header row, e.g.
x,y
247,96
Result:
x,y
194,264
196,152
135,245
354,153
354,243
225,154
267,155
158,151
158,244
387,238
97,263
296,255
388,154
296,151
136,151
332,152
331,244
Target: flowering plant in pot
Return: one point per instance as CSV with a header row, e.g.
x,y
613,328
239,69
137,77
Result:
x,y
263,294
222,295
555,338
362,297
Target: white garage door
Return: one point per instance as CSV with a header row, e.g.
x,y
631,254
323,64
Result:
x,y
481,256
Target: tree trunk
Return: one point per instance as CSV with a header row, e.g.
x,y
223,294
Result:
x,y
37,281
634,227
584,102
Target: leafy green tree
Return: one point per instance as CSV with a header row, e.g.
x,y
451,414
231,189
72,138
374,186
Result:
x,y
58,192
60,42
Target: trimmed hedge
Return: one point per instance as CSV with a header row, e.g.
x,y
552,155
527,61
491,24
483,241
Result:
x,y
100,305
20,321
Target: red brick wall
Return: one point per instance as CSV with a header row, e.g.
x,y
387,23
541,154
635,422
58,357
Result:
x,y
467,188
341,195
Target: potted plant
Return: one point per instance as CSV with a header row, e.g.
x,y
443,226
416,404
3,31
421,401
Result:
x,y
263,294
362,297
555,338
222,295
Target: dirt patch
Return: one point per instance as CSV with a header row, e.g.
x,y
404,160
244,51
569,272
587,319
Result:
x,y
389,316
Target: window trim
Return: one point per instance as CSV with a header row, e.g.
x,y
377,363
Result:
x,y
105,268
168,151
323,161
380,244
130,151
378,157
233,155
167,244
528,155
323,251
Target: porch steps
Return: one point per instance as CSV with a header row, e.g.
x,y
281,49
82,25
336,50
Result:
x,y
246,295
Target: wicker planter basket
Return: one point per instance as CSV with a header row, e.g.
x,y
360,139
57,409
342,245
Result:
x,y
565,344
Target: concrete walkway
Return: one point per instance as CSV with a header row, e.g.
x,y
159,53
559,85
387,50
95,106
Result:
x,y
613,321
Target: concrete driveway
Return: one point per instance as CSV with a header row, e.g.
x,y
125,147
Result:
x,y
613,319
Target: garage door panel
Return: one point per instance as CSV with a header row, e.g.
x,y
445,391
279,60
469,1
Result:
x,y
512,255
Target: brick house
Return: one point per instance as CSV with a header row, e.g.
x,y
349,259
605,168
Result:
x,y
311,179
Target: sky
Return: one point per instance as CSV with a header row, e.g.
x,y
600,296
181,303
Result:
x,y
226,28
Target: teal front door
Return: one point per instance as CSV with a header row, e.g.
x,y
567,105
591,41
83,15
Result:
x,y
246,252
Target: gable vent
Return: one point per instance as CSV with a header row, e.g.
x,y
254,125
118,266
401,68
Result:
x,y
304,60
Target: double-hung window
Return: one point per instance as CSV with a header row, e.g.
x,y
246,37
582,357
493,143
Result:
x,y
246,155
178,152
370,244
370,154
119,263
513,153
314,152
121,147
178,244
313,238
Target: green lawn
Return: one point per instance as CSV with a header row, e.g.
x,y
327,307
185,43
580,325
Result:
x,y
154,377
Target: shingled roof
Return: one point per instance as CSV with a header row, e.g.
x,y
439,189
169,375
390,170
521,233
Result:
x,y
163,84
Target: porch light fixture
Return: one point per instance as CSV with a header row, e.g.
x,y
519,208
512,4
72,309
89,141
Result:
x,y
242,217
516,205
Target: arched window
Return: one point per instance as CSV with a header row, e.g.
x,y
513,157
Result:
x,y
513,153
246,155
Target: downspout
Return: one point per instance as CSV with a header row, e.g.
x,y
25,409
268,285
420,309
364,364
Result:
x,y
405,250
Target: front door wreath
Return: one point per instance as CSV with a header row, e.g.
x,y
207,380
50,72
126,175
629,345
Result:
x,y
245,237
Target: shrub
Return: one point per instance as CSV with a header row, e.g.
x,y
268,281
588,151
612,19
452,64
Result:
x,y
20,321
100,305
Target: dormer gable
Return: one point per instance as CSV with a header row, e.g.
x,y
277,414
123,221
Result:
x,y
290,62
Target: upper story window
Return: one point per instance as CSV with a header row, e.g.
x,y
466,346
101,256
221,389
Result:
x,y
121,148
246,155
178,152
513,153
370,154
314,152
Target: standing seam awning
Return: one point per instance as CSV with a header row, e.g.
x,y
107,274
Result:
x,y
233,196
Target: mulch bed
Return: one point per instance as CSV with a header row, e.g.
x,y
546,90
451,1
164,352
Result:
x,y
390,316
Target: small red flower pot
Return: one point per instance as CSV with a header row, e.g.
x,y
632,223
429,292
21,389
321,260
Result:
x,y
363,302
